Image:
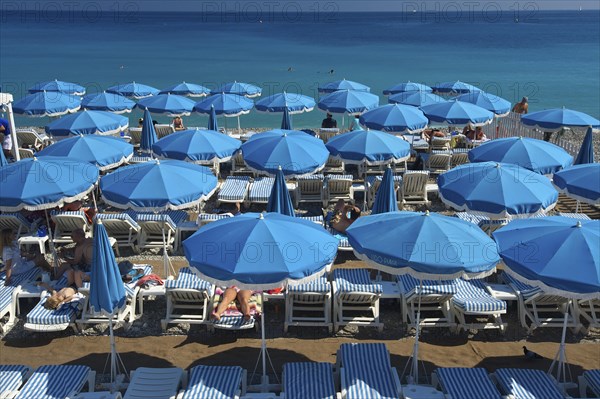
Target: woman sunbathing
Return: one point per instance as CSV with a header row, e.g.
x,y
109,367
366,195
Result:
x,y
75,279
230,295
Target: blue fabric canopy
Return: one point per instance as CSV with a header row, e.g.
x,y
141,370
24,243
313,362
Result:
x,y
296,152
407,87
492,103
47,103
44,183
260,251
107,102
424,245
497,190
586,152
170,104
560,255
581,182
286,120
148,133
385,198
348,101
458,113
295,103
368,146
156,186
397,118
3,160
133,90
186,89
88,122
225,104
58,85
343,85
103,151
212,120
536,155
239,88
415,98
280,200
457,87
558,118
199,146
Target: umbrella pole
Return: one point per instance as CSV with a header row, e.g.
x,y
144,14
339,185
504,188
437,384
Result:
x,y
366,196
166,260
560,358
113,355
415,360
239,126
51,244
263,350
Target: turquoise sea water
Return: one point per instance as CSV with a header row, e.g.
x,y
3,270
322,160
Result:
x,y
553,57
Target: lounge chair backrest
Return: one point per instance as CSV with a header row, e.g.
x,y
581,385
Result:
x,y
26,153
415,182
163,130
326,134
338,184
355,280
15,222
412,287
459,158
136,135
310,184
54,382
154,383
439,161
214,382
31,138
12,377
467,383
154,223
357,356
334,162
304,380
592,380
117,222
187,279
473,295
527,384
440,143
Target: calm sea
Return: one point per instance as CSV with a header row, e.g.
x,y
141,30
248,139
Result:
x,y
552,57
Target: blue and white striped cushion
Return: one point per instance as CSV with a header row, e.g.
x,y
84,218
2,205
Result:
x,y
311,177
63,315
187,279
320,285
593,379
305,380
117,216
526,290
410,286
177,216
22,219
139,159
460,150
580,216
355,280
211,217
468,217
338,177
6,291
527,384
234,188
234,322
11,377
315,219
467,383
373,356
472,297
342,238
67,213
261,189
370,384
160,217
54,382
213,382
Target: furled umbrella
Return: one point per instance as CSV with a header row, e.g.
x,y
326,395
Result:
x,y
3,160
212,120
88,122
111,102
279,199
133,90
148,133
47,103
385,198
586,152
58,85
286,120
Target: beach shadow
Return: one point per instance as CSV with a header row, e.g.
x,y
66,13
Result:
x,y
132,360
403,365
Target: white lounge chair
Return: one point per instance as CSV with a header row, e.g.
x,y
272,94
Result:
x,y
154,383
30,138
334,165
355,299
136,136
590,311
309,189
155,228
17,223
57,381
260,190
188,299
11,379
438,162
234,189
122,228
223,382
238,165
40,319
326,134
26,153
206,218
473,299
465,383
336,187
414,187
590,379
308,305
304,380
527,384
434,300
9,295
163,130
67,222
440,143
460,156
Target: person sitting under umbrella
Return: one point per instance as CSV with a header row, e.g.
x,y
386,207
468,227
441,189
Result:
x,y
329,122
178,123
428,134
16,262
75,279
521,107
82,255
344,219
231,294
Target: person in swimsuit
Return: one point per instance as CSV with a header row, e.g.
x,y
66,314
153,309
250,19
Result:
x,y
232,293
75,279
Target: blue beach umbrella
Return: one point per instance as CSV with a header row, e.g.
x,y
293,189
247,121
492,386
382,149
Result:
x,y
586,152
88,122
343,85
47,103
225,104
558,118
186,89
103,151
581,182
133,90
212,120
457,87
239,88
495,104
169,104
297,153
58,85
348,101
111,102
369,147
497,190
415,98
536,155
280,200
199,146
396,118
458,113
286,120
3,160
407,87
148,133
293,102
385,198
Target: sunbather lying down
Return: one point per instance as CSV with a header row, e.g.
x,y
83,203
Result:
x,y
230,295
75,279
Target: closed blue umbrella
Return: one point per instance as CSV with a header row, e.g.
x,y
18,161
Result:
x,y
225,104
343,85
293,102
200,146
495,104
239,88
385,198
586,152
103,151
212,120
133,90
297,153
286,121
368,146
186,89
558,118
148,133
499,191
581,182
536,155
169,104
457,87
104,101
3,160
348,101
458,113
47,103
60,86
280,200
397,118
415,98
407,87
88,122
